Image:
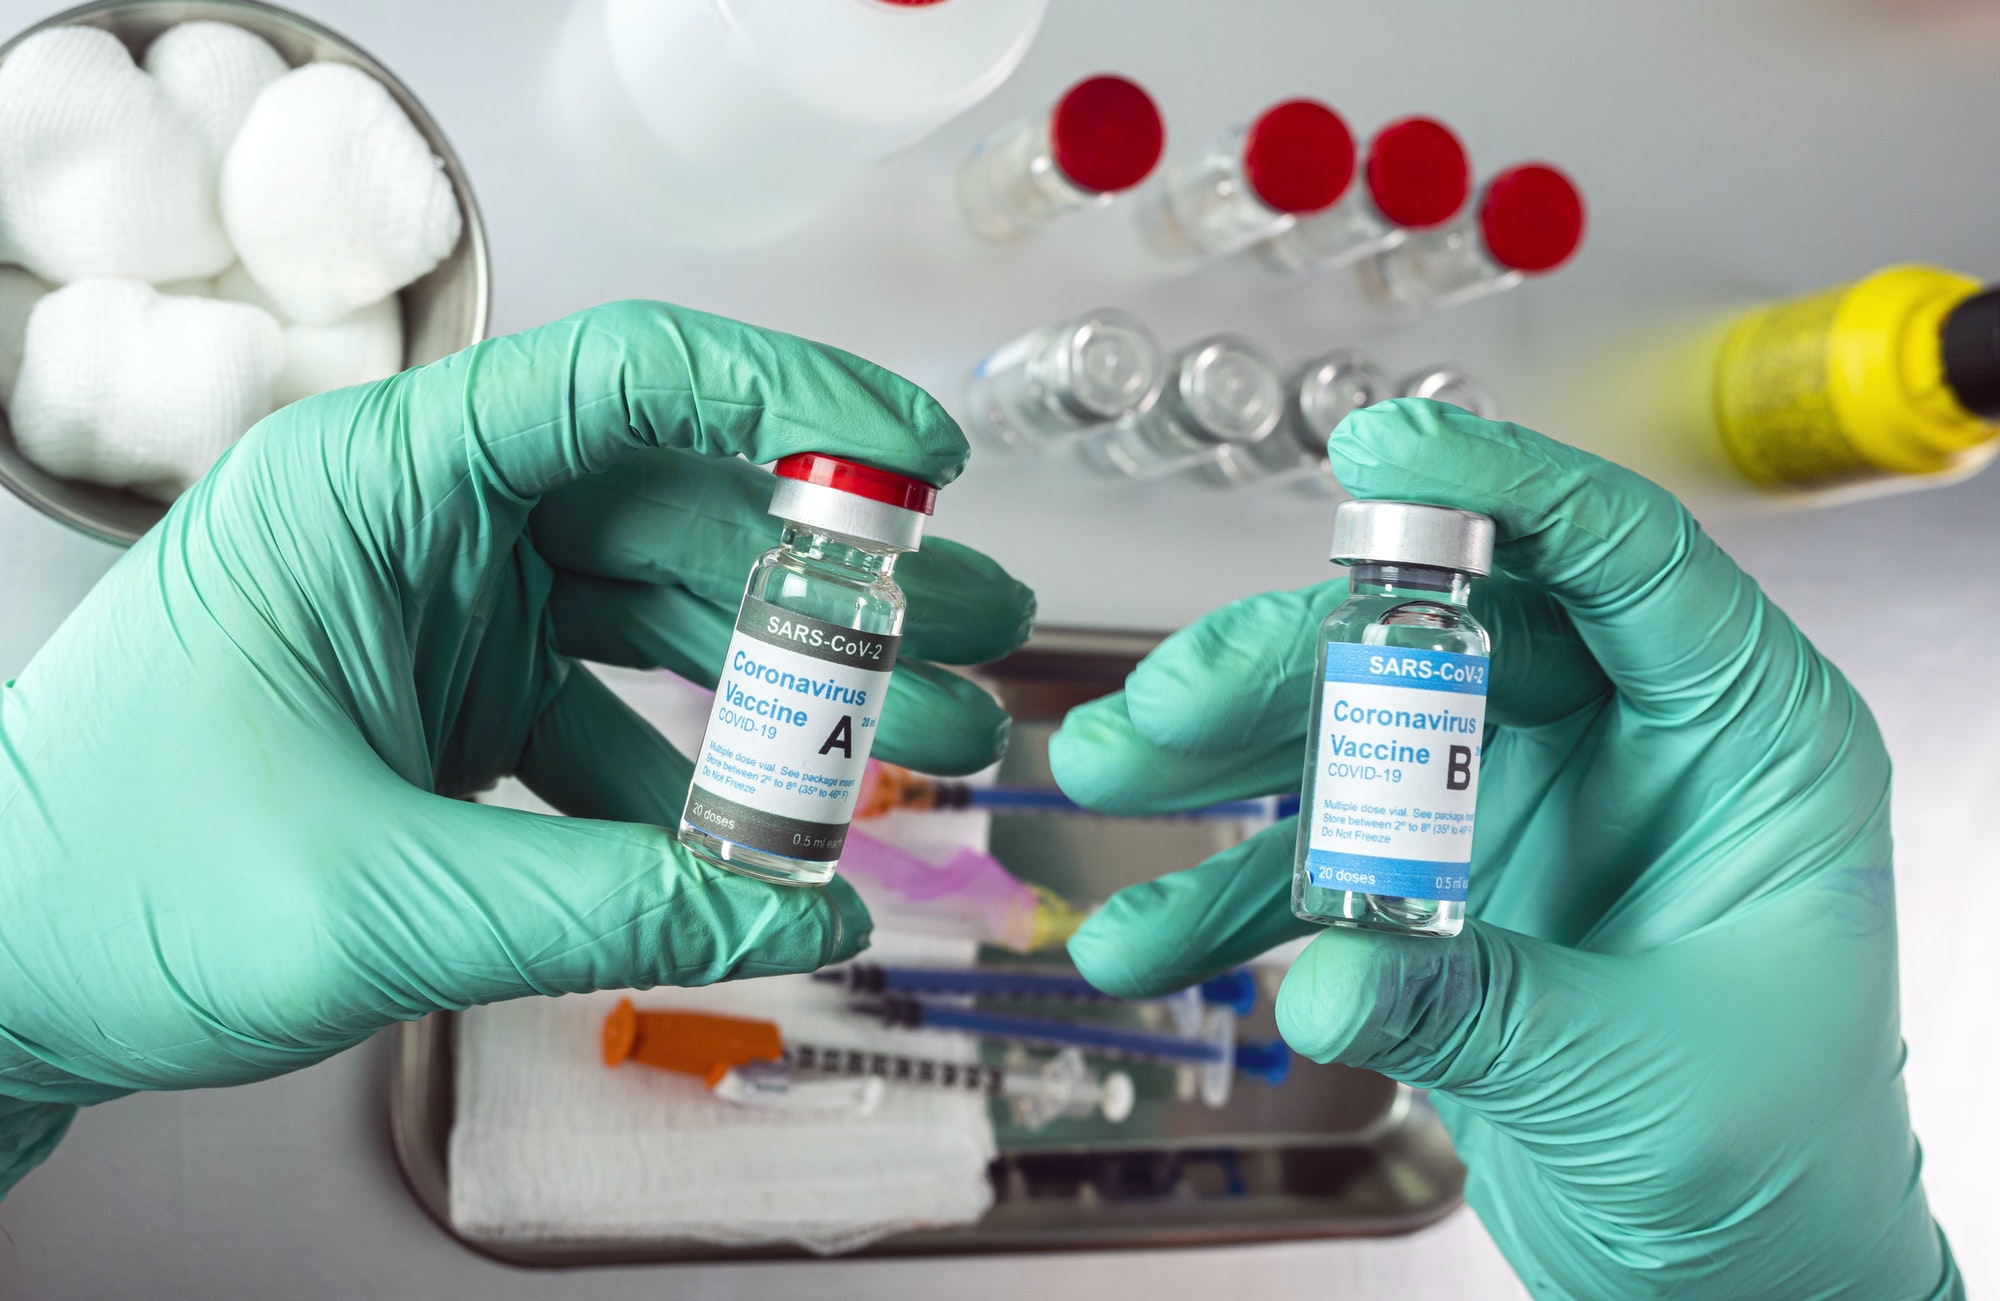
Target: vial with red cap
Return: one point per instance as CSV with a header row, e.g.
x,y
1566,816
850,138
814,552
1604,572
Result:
x,y
1102,138
1415,177
806,673
1295,159
1527,221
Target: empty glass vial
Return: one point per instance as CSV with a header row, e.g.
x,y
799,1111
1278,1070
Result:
x,y
1451,385
1527,222
1103,137
805,674
1296,158
1220,392
1050,384
1397,724
1415,177
1318,396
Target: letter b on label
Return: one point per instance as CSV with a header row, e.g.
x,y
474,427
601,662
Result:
x,y
1458,770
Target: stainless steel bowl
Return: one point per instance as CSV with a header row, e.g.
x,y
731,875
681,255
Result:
x,y
443,312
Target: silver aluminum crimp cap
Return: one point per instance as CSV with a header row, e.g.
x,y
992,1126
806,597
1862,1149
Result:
x,y
1404,533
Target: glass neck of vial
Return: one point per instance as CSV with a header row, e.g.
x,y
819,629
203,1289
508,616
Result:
x,y
1425,582
831,549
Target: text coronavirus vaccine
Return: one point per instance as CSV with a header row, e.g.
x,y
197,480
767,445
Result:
x,y
1398,724
799,699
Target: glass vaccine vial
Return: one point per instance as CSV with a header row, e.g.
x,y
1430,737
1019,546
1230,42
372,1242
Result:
x,y
1450,385
1051,384
1319,394
1397,724
1296,158
1527,221
1415,177
805,674
1102,138
1220,392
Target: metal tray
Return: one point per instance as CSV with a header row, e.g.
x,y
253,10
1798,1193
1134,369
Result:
x,y
1332,1153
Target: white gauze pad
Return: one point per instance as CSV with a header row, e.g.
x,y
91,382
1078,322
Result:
x,y
332,198
364,345
131,388
19,292
99,176
211,72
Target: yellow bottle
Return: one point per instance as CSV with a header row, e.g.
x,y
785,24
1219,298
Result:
x,y
1897,374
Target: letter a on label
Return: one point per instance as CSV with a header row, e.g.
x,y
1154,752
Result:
x,y
842,738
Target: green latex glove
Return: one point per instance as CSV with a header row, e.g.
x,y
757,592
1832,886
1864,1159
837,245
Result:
x,y
228,846
1666,1044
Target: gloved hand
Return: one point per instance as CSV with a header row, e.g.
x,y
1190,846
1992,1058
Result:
x,y
228,846
1666,1044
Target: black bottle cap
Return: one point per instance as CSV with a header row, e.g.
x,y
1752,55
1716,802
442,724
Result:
x,y
1971,346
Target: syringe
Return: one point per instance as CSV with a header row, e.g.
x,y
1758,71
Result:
x,y
1215,1054
886,788
1062,1086
1235,990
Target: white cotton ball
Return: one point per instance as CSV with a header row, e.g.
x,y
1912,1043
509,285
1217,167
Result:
x,y
364,345
131,388
99,176
20,290
211,72
332,198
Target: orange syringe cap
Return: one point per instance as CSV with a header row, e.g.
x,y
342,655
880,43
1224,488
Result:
x,y
688,1043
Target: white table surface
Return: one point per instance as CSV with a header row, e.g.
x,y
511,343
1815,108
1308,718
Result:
x,y
1727,148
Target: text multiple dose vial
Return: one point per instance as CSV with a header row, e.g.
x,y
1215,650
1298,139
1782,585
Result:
x,y
1397,724
803,681
1103,137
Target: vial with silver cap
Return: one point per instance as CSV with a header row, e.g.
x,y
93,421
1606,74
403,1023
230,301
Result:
x,y
803,680
1051,384
1397,724
1220,392
1527,221
1318,395
1101,139
1452,386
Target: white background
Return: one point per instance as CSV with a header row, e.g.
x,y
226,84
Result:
x,y
1728,148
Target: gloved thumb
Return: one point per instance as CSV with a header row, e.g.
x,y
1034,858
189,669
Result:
x,y
490,903
1479,1015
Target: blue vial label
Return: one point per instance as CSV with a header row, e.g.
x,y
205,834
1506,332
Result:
x,y
1396,771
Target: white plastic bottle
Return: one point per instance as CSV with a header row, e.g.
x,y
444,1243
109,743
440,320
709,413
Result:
x,y
737,119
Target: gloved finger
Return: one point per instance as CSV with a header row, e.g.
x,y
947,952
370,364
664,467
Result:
x,y
1666,613
525,413
1179,930
1100,760
592,756
933,720
673,517
479,903
1440,1013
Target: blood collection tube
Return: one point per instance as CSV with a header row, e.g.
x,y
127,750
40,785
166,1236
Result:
x,y
1318,396
1103,137
1219,392
1054,382
1295,158
1415,177
1528,221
